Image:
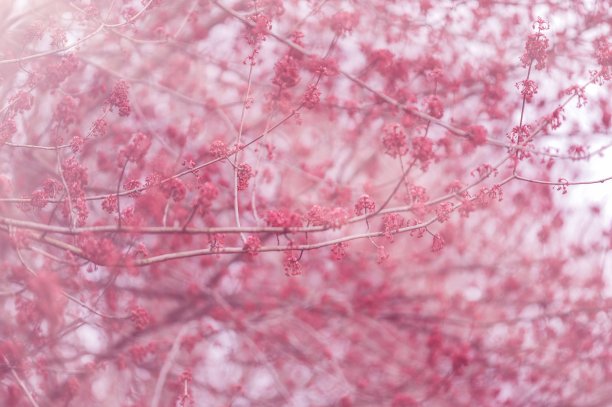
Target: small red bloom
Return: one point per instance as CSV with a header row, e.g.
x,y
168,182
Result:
x,y
245,172
252,245
364,204
438,243
394,140
119,98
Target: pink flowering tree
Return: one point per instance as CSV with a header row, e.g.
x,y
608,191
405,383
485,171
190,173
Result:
x,y
304,203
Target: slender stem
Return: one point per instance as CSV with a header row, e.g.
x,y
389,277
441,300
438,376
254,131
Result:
x,y
165,369
20,382
118,196
525,96
238,140
68,197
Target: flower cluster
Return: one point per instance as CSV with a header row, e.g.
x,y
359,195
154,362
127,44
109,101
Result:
x,y
98,128
76,179
422,151
562,186
110,204
438,243
140,317
535,50
603,54
434,107
120,99
577,91
312,96
22,101
132,185
417,197
322,66
283,218
364,204
577,152
478,134
392,222
244,174
486,195
528,89
291,264
41,196
334,218
443,211
394,140
484,170
218,149
338,251
520,134
174,188
257,32
7,129
135,150
207,192
252,245
343,22
556,118
216,242
99,249
57,73
66,111
286,72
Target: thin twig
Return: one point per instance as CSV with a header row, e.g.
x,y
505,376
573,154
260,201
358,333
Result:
x,y
21,384
165,369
